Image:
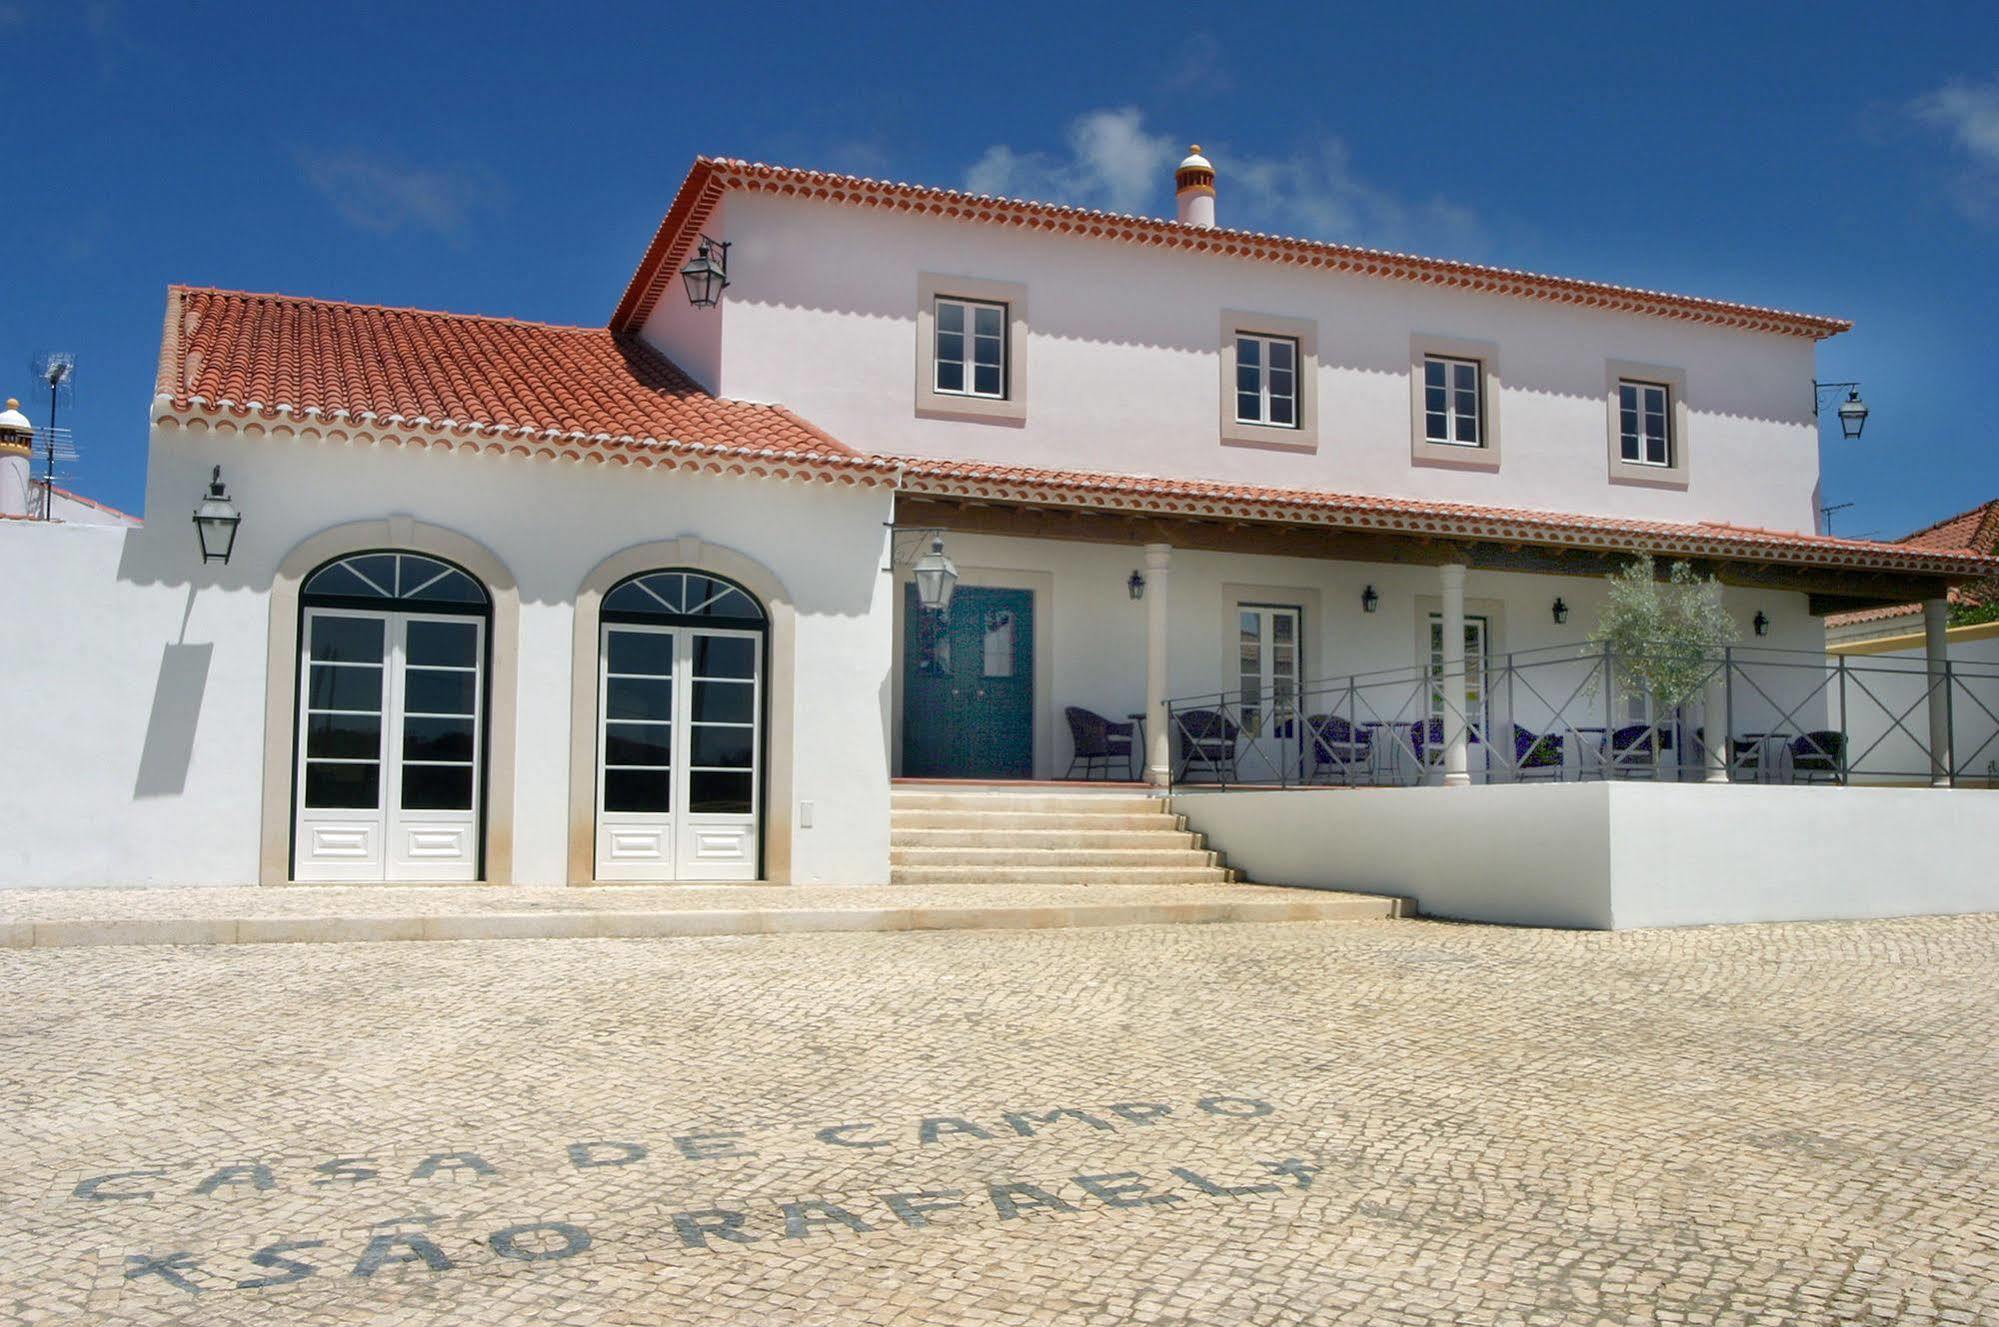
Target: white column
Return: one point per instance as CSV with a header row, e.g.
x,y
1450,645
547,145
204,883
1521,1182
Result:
x,y
1936,649
1456,772
1158,568
1714,723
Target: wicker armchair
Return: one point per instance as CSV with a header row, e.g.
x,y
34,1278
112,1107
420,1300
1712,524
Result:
x,y
1631,752
1338,748
1536,754
1206,739
1100,745
1819,755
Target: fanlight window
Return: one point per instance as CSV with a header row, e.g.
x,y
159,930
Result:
x,y
395,577
682,594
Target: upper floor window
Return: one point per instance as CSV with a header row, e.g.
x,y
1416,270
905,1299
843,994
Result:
x,y
970,356
1644,429
1266,386
1453,413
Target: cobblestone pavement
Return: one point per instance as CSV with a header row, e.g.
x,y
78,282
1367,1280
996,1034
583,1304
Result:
x,y
1381,1123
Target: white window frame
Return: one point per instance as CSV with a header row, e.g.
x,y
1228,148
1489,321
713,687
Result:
x,y
1452,416
1010,407
1302,434
1672,472
1642,394
1427,451
1263,369
969,310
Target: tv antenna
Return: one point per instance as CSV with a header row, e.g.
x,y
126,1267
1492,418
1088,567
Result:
x,y
55,370
1827,511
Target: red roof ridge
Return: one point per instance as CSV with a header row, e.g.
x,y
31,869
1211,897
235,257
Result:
x,y
359,306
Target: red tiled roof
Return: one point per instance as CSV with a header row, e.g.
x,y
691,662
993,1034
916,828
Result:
x,y
104,507
928,476
1974,531
422,373
711,177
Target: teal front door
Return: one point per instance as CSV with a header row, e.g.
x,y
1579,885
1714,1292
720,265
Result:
x,y
968,686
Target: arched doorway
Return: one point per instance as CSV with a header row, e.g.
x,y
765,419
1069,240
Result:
x,y
389,772
680,727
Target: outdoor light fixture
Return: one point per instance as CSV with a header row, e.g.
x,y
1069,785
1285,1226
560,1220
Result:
x,y
1368,599
1852,411
1561,610
1136,585
215,520
936,578
1761,623
708,275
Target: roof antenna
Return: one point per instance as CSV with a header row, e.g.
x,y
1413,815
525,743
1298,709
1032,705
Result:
x,y
56,370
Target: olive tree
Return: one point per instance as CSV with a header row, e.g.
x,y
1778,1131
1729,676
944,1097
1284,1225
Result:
x,y
1664,635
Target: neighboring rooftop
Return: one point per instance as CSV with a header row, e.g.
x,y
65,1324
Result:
x,y
711,177
1974,531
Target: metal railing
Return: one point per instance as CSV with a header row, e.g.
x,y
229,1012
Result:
x,y
1565,713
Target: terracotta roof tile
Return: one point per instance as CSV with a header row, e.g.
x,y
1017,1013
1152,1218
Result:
x,y
1974,531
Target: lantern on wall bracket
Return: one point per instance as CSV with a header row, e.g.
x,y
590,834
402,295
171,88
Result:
x,y
1761,623
1369,600
936,578
215,521
1852,411
707,275
1135,586
1561,611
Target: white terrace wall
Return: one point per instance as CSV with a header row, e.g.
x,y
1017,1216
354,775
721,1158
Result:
x,y
1888,721
137,676
1122,370
1093,635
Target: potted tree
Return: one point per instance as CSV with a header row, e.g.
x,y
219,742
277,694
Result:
x,y
1661,640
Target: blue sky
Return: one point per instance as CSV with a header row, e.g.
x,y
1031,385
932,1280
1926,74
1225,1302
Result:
x,y
1835,158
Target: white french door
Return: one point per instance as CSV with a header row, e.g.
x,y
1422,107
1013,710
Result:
x,y
1268,665
1476,644
678,745
390,743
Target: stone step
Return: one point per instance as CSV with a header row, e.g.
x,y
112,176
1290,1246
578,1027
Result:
x,y
1068,803
1050,857
1031,820
1054,840
1070,875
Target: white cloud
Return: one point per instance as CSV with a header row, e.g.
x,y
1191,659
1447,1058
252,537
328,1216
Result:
x,y
1969,113
381,196
1113,162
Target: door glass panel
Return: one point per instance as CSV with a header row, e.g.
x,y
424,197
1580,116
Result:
x,y
725,656
447,644
638,698
999,644
729,748
345,687
437,787
343,736
347,639
437,739
637,744
647,652
638,790
724,702
716,792
435,691
331,786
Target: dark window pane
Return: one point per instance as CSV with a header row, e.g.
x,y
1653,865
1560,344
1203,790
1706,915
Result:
x,y
1248,352
637,744
1280,410
454,644
1435,427
454,587
724,702
950,317
1247,407
1467,429
715,793
638,790
725,656
1628,446
986,350
631,598
1433,373
334,687
950,377
348,639
731,748
437,787
1465,376
346,736
377,568
986,380
1280,382
1281,354
986,321
647,652
437,739
733,603
340,579
950,346
1248,379
1434,398
355,787
433,691
1627,396
638,698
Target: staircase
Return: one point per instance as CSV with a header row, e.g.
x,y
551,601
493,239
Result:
x,y
967,838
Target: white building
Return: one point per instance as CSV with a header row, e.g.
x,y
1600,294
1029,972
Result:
x,y
520,603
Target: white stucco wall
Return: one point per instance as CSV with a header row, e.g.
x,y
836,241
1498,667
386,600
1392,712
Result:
x,y
139,706
1619,855
1887,693
1122,370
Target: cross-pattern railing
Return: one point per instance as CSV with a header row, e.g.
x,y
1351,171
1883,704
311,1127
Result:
x,y
1564,713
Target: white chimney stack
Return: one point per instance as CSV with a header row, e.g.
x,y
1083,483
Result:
x,y
17,440
1194,189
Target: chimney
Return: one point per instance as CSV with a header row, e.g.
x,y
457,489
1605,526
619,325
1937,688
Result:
x,y
17,440
1194,189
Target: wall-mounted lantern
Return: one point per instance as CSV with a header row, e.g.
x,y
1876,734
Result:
x,y
1136,585
1761,623
1561,611
707,276
1369,600
215,520
1852,411
936,578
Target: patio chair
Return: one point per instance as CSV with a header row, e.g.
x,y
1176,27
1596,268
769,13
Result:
x,y
1207,738
1536,754
1338,747
1099,744
1745,757
1631,752
1819,755
1426,743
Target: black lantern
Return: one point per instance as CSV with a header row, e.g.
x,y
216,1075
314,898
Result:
x,y
1852,414
936,578
708,275
1368,599
1561,611
1136,586
215,520
1761,623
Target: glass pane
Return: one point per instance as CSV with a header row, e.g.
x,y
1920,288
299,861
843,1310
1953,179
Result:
x,y
1465,376
1433,374
1627,396
1467,403
997,644
437,739
1248,379
986,320
1280,410
724,702
344,736
1248,352
340,579
1248,407
1628,447
1435,398
1282,353
1655,451
334,687
637,744
714,792
433,691
378,569
1467,428
631,597
950,377
647,652
347,639
1436,428
986,350
1283,628
1280,382
638,790
354,787
638,698
437,787
452,644
725,656
950,317
454,587
731,748
950,346
986,380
